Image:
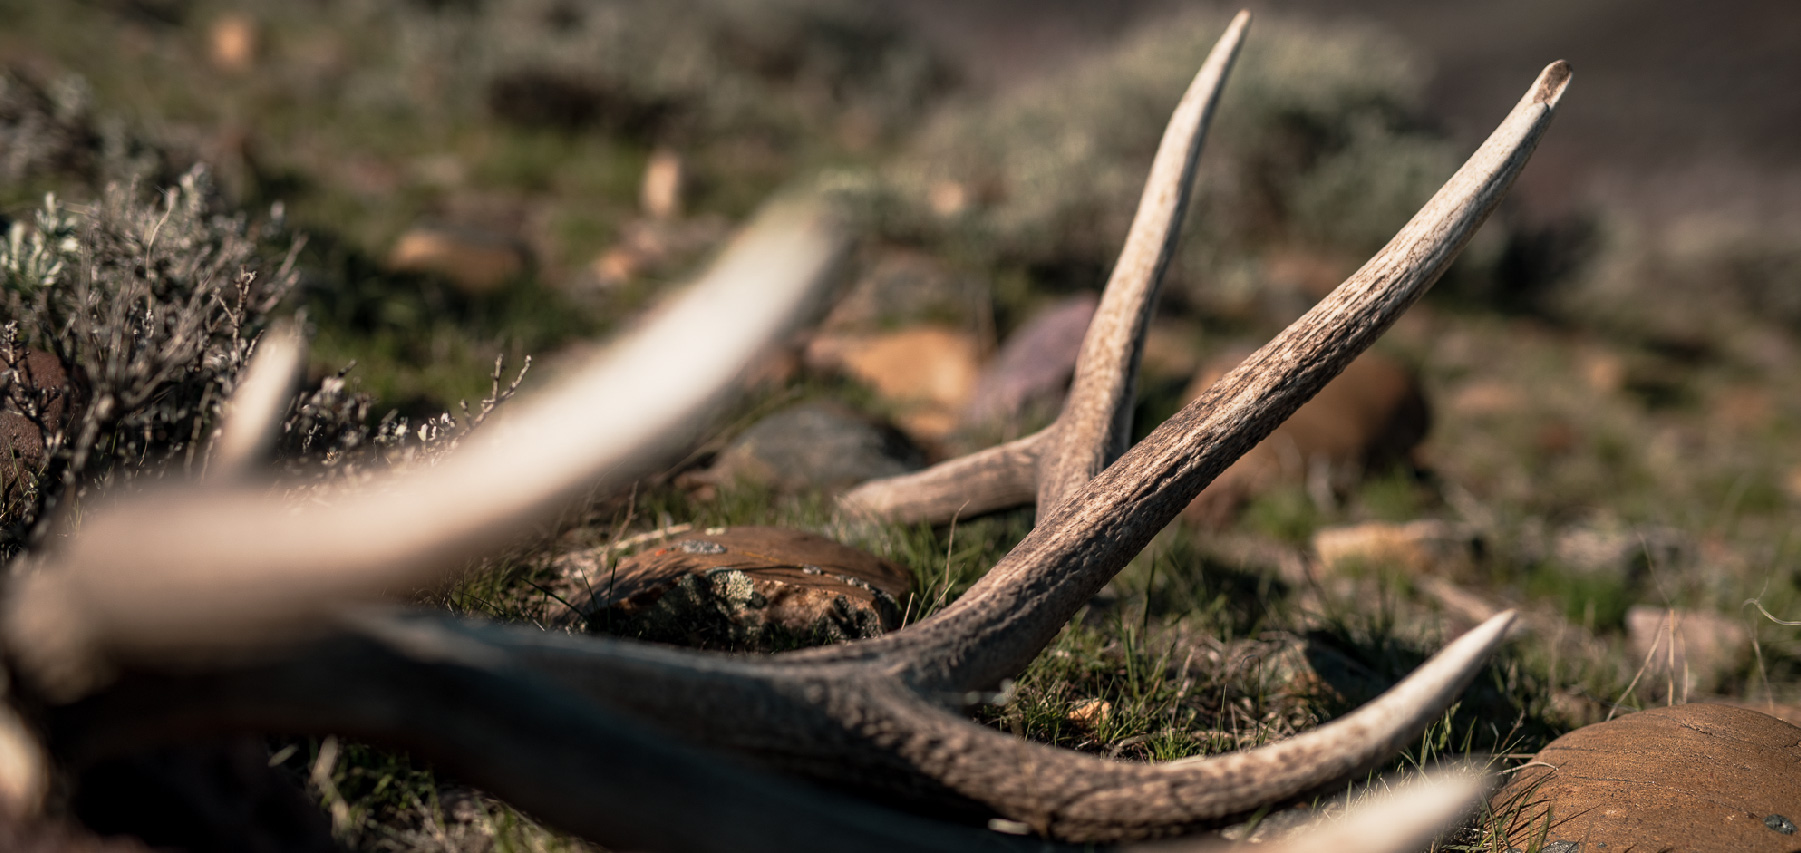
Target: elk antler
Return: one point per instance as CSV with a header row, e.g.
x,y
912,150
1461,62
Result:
x,y
1096,422
869,717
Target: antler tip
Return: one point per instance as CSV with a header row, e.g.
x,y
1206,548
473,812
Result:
x,y
1551,83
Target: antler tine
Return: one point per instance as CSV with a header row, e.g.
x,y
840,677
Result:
x,y
1095,425
210,569
254,414
1096,421
995,478
1408,817
1064,794
455,703
996,628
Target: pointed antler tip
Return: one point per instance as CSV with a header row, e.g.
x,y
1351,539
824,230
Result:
x,y
1551,83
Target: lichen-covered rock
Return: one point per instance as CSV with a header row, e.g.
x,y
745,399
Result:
x,y
1686,777
1623,554
743,588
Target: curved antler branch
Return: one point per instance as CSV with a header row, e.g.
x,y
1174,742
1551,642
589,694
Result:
x,y
999,477
1096,421
1095,426
997,627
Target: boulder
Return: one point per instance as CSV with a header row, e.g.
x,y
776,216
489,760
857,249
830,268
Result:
x,y
233,42
1686,777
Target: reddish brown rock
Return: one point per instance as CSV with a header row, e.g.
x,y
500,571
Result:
x,y
38,393
665,181
43,384
1687,777
927,372
233,42
1421,547
476,261
744,588
21,458
1373,415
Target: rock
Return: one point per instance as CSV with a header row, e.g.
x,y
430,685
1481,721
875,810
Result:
x,y
1687,777
927,372
900,287
1422,547
1487,398
37,385
1373,415
947,198
744,588
1622,554
816,446
233,42
1690,650
475,260
1604,372
1034,366
653,246
21,459
46,387
1090,712
660,193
